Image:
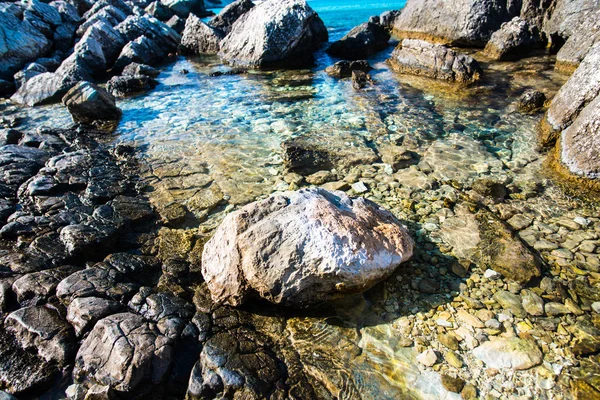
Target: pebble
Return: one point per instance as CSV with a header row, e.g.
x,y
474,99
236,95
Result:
x,y
452,384
532,303
493,324
555,309
581,221
491,275
470,319
453,359
596,306
427,358
359,187
511,302
544,245
514,353
449,341
469,392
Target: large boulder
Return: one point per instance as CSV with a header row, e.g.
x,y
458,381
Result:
x,y
303,248
514,40
361,42
418,57
90,104
20,43
111,41
199,38
231,13
459,22
581,88
274,33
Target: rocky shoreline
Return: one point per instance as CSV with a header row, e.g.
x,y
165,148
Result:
x,y
115,281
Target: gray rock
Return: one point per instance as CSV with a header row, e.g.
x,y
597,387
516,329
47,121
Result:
x,y
165,39
140,69
295,237
20,43
360,79
45,88
142,50
110,40
515,39
129,85
170,313
418,57
94,282
84,312
42,329
33,288
231,13
361,42
176,23
513,353
343,69
123,351
268,34
460,23
199,38
90,104
160,11
27,73
108,14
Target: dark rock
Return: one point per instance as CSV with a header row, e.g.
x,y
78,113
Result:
x,y
232,12
418,57
95,282
129,85
90,104
41,89
387,19
10,136
7,88
108,14
459,23
18,163
343,69
21,43
490,189
160,11
143,269
111,41
140,69
360,79
199,38
84,312
531,102
586,338
142,50
164,38
515,39
183,8
50,63
361,42
176,23
28,72
37,287
124,352
268,34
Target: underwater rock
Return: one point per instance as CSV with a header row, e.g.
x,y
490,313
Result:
x,y
512,41
343,69
417,57
531,102
361,42
302,248
459,23
90,104
274,33
360,79
129,85
199,38
231,13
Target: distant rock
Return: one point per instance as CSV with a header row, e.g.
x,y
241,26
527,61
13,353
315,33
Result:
x,y
361,42
232,12
417,57
21,43
459,22
129,85
343,69
515,39
185,8
531,102
199,38
303,248
274,33
90,104
513,353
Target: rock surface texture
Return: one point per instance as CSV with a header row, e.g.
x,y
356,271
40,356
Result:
x,y
514,40
302,248
90,104
274,33
361,42
199,38
418,57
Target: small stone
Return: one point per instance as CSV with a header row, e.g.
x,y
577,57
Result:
x,y
429,286
581,221
554,309
470,319
520,221
514,353
532,303
449,341
544,245
427,358
405,342
469,392
359,187
586,338
453,359
511,302
452,384
596,306
493,324
491,275
573,307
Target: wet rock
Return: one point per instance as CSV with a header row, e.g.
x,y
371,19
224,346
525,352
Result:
x,y
580,90
513,353
531,102
36,287
90,104
129,85
361,42
42,329
307,156
22,43
462,23
232,12
580,142
140,69
360,79
95,282
268,34
490,188
398,157
417,57
343,69
234,259
110,40
45,88
143,269
515,39
170,313
17,164
125,352
199,38
142,50
84,312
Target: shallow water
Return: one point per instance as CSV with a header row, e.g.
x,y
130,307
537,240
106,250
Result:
x,y
214,143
